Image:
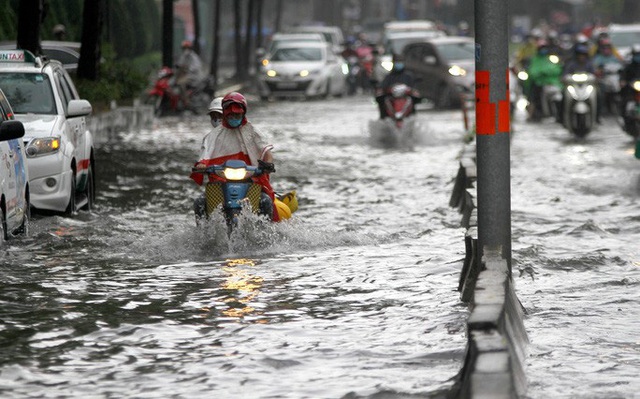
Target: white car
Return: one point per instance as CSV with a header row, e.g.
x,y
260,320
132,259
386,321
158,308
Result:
x,y
332,34
304,69
623,37
14,177
59,148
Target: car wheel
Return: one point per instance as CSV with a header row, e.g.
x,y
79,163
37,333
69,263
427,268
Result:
x,y
3,224
444,98
90,191
26,219
71,207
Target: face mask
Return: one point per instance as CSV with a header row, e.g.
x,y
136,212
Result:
x,y
234,122
398,66
215,122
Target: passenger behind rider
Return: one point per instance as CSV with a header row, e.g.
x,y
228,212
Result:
x,y
215,112
628,75
189,73
397,75
236,138
543,71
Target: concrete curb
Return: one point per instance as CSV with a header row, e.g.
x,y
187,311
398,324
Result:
x,y
495,358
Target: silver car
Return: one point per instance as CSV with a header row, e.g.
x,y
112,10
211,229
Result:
x,y
304,69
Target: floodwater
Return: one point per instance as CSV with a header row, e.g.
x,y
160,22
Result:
x,y
354,297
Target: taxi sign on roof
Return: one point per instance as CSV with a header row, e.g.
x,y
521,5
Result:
x,y
16,56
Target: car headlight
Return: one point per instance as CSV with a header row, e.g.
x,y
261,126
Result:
x,y
456,70
271,73
388,65
43,146
304,73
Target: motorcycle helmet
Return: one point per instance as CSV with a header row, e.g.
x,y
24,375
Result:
x,y
233,100
581,49
216,105
164,72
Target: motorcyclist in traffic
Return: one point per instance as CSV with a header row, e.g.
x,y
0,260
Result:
x,y
605,60
397,75
237,138
543,70
579,63
189,73
628,75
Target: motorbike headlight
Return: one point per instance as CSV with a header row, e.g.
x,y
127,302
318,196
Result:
x,y
456,70
43,146
387,65
235,173
580,77
272,73
554,58
345,69
636,85
522,75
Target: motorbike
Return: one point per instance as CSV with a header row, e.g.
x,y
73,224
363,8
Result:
x,y
609,83
353,64
232,189
631,111
551,100
579,103
398,106
165,96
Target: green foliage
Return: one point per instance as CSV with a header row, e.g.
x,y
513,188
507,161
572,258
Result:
x,y
118,80
8,21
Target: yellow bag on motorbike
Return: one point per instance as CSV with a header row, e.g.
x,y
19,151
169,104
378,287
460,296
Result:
x,y
286,204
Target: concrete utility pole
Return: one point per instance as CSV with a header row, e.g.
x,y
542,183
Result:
x,y
493,126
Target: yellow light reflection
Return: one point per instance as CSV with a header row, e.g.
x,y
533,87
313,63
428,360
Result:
x,y
244,286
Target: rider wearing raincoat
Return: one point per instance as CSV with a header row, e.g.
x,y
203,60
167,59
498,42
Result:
x,y
544,69
236,138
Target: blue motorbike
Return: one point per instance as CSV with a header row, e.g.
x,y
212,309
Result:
x,y
231,189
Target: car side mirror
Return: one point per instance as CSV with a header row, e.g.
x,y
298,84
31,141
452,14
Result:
x,y
79,108
11,129
430,60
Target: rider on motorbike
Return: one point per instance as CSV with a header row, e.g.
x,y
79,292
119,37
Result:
x,y
189,74
579,63
542,71
606,64
397,75
236,138
629,74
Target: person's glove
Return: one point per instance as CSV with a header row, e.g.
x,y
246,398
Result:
x,y
267,167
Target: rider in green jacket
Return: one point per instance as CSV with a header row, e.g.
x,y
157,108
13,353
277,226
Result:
x,y
544,70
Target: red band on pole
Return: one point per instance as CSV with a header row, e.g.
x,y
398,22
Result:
x,y
485,110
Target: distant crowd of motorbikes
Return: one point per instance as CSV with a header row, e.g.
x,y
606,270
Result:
x,y
581,85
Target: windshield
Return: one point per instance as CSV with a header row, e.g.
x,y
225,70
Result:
x,y
625,39
297,54
396,45
457,51
28,93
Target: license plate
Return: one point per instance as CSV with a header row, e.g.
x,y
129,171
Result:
x,y
286,85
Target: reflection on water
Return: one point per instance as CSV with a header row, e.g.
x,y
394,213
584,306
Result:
x,y
243,287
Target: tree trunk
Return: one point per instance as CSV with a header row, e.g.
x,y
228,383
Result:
x,y
167,33
215,53
196,25
237,12
90,49
259,24
279,8
29,17
248,59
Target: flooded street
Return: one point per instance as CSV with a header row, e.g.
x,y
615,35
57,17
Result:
x,y
354,297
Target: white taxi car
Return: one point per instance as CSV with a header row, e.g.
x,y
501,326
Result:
x,y
59,148
14,177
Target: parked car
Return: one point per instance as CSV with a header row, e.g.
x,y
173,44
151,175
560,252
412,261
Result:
x,y
14,176
444,69
304,69
394,43
59,147
332,34
623,37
